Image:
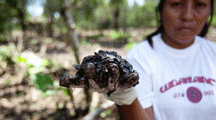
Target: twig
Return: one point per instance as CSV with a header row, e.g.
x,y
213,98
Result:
x,y
43,50
95,111
20,45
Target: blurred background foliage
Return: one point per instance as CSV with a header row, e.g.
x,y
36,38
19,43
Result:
x,y
88,14
32,29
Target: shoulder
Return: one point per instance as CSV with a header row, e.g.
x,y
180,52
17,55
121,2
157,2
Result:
x,y
142,57
143,53
141,49
206,44
145,49
205,41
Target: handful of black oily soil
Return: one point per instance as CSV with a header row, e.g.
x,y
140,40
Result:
x,y
103,72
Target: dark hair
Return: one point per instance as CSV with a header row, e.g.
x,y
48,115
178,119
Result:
x,y
159,8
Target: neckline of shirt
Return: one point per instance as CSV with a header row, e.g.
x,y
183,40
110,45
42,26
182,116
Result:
x,y
161,46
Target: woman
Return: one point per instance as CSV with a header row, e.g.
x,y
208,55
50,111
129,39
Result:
x,y
177,67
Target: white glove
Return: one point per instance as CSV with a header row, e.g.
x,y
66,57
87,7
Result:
x,y
123,96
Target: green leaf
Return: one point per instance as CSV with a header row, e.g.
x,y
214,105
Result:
x,y
66,91
42,82
22,61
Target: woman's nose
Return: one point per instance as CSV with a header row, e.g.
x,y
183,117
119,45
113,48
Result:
x,y
187,14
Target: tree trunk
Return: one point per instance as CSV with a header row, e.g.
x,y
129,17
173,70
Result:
x,y
124,8
70,23
21,16
67,14
22,20
116,17
51,26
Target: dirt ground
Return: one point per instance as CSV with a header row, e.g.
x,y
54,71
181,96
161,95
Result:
x,y
20,100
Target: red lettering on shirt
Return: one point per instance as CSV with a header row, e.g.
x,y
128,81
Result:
x,y
187,80
209,81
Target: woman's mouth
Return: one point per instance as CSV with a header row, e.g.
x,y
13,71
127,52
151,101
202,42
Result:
x,y
185,29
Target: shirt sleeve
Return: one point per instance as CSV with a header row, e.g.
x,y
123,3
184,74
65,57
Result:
x,y
145,86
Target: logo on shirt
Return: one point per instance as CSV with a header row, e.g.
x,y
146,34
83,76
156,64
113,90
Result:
x,y
194,94
187,80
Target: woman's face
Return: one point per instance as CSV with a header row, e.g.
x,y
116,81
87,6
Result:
x,y
183,20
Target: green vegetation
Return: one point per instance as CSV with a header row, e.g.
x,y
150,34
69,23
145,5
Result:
x,y
119,36
106,113
213,24
130,44
35,68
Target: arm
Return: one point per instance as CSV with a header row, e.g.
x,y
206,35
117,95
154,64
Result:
x,y
135,112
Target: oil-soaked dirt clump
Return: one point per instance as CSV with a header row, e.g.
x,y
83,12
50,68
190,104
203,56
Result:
x,y
104,72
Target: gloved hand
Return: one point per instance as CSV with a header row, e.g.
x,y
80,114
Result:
x,y
106,72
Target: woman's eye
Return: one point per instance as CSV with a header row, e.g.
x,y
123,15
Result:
x,y
176,4
200,4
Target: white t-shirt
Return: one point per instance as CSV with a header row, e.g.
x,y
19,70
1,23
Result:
x,y
180,84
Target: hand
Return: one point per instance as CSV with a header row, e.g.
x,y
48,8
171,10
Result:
x,y
105,72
